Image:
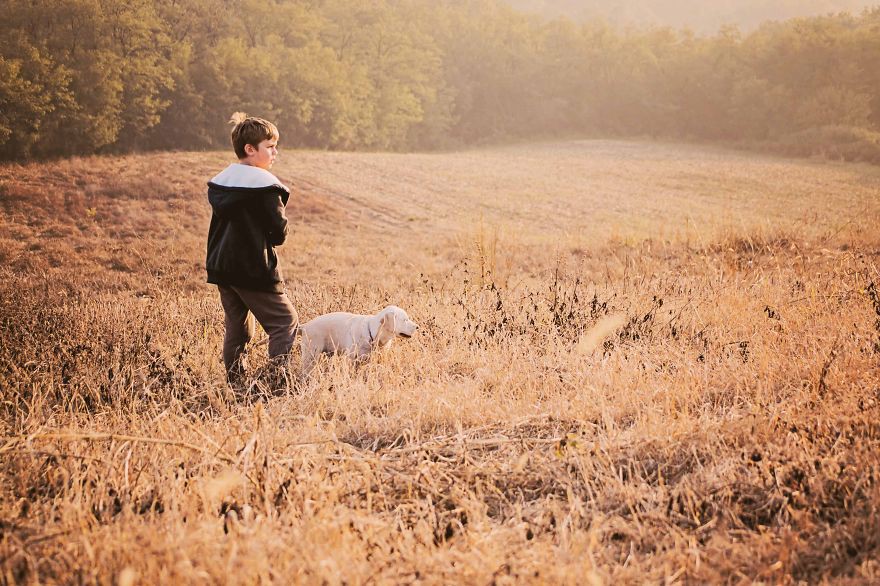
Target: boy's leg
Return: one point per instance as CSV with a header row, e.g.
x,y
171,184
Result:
x,y
276,314
239,331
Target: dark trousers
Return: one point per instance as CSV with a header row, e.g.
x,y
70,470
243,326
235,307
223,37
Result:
x,y
274,312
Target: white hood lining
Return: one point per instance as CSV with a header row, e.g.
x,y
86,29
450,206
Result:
x,y
239,175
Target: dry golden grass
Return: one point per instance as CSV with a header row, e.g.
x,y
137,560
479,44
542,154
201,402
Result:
x,y
636,363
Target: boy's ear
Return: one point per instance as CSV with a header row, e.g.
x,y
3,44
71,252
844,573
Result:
x,y
249,149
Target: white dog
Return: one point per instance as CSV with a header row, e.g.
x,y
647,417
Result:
x,y
351,334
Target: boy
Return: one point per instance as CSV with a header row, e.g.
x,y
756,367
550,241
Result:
x,y
247,222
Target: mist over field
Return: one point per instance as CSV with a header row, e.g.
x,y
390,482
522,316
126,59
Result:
x,y
705,16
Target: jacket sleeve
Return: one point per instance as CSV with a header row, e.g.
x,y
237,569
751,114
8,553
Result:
x,y
276,220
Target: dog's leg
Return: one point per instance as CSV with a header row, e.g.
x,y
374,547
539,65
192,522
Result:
x,y
309,354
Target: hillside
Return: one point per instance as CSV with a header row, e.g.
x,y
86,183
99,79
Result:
x,y
635,362
536,202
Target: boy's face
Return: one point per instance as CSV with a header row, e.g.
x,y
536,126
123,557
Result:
x,y
263,155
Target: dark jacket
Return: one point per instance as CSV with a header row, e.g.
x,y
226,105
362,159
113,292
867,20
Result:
x,y
247,222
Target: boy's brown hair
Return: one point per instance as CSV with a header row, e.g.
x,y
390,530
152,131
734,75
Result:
x,y
250,130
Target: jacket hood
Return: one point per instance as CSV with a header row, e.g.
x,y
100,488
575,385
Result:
x,y
239,175
238,183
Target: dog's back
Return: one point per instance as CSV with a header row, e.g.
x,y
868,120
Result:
x,y
331,332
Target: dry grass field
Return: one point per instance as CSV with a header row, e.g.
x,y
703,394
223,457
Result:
x,y
636,363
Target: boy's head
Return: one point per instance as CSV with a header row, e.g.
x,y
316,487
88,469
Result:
x,y
255,140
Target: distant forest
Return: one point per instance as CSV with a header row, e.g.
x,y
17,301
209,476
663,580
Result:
x,y
96,76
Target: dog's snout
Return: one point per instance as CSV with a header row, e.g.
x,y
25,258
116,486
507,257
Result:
x,y
409,328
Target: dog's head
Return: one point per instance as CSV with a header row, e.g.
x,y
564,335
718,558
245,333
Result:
x,y
395,322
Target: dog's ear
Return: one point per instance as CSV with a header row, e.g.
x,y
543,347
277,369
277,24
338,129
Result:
x,y
386,329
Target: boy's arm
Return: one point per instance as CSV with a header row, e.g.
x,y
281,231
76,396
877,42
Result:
x,y
276,220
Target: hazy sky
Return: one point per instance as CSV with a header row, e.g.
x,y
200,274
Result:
x,y
701,15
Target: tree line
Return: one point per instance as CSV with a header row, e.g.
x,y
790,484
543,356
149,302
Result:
x,y
87,76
